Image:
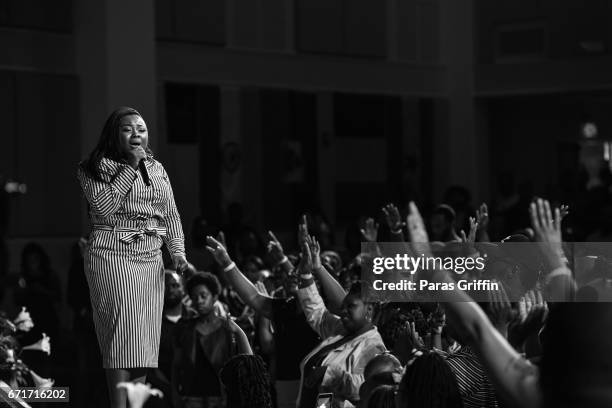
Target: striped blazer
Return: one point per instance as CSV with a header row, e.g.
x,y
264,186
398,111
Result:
x,y
118,202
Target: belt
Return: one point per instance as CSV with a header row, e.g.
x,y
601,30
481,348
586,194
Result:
x,y
129,235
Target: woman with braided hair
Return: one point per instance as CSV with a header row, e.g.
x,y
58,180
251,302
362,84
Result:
x,y
428,382
246,381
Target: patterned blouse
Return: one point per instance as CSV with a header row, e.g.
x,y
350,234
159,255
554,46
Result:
x,y
123,200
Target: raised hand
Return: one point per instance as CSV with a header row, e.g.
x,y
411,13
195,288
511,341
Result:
x,y
564,209
482,216
547,230
501,309
275,249
471,237
218,251
315,252
392,217
302,230
305,266
370,231
417,232
533,311
417,341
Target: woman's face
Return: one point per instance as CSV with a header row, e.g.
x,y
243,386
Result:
x,y
202,300
132,133
354,313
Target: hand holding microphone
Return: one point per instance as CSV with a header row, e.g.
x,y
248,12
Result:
x,y
136,157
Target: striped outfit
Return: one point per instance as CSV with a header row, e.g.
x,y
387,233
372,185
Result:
x,y
474,386
123,263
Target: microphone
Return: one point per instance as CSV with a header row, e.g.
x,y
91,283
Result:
x,y
144,172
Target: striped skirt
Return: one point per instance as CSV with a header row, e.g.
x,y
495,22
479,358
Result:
x,y
126,283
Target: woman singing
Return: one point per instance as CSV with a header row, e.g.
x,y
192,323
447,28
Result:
x,y
132,211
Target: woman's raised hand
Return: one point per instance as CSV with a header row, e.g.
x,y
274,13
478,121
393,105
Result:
x,y
302,230
315,252
305,267
275,249
393,218
218,251
471,237
547,229
482,216
370,230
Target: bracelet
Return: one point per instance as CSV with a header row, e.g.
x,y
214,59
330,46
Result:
x,y
306,276
561,271
229,267
397,231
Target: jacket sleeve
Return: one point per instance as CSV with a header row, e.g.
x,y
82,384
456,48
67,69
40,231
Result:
x,y
105,198
326,324
175,239
346,384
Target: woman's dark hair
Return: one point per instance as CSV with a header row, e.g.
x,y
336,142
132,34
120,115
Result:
x,y
247,382
204,278
429,382
32,248
108,144
382,396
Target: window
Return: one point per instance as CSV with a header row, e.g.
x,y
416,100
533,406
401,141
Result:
x,y
354,28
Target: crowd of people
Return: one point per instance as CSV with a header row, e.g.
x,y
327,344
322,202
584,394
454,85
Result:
x,y
268,323
265,326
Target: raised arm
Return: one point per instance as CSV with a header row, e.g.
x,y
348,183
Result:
x,y
243,286
394,222
105,198
482,219
334,292
560,283
513,377
277,254
318,317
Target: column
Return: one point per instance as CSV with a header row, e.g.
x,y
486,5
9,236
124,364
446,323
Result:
x,y
327,154
115,61
466,164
